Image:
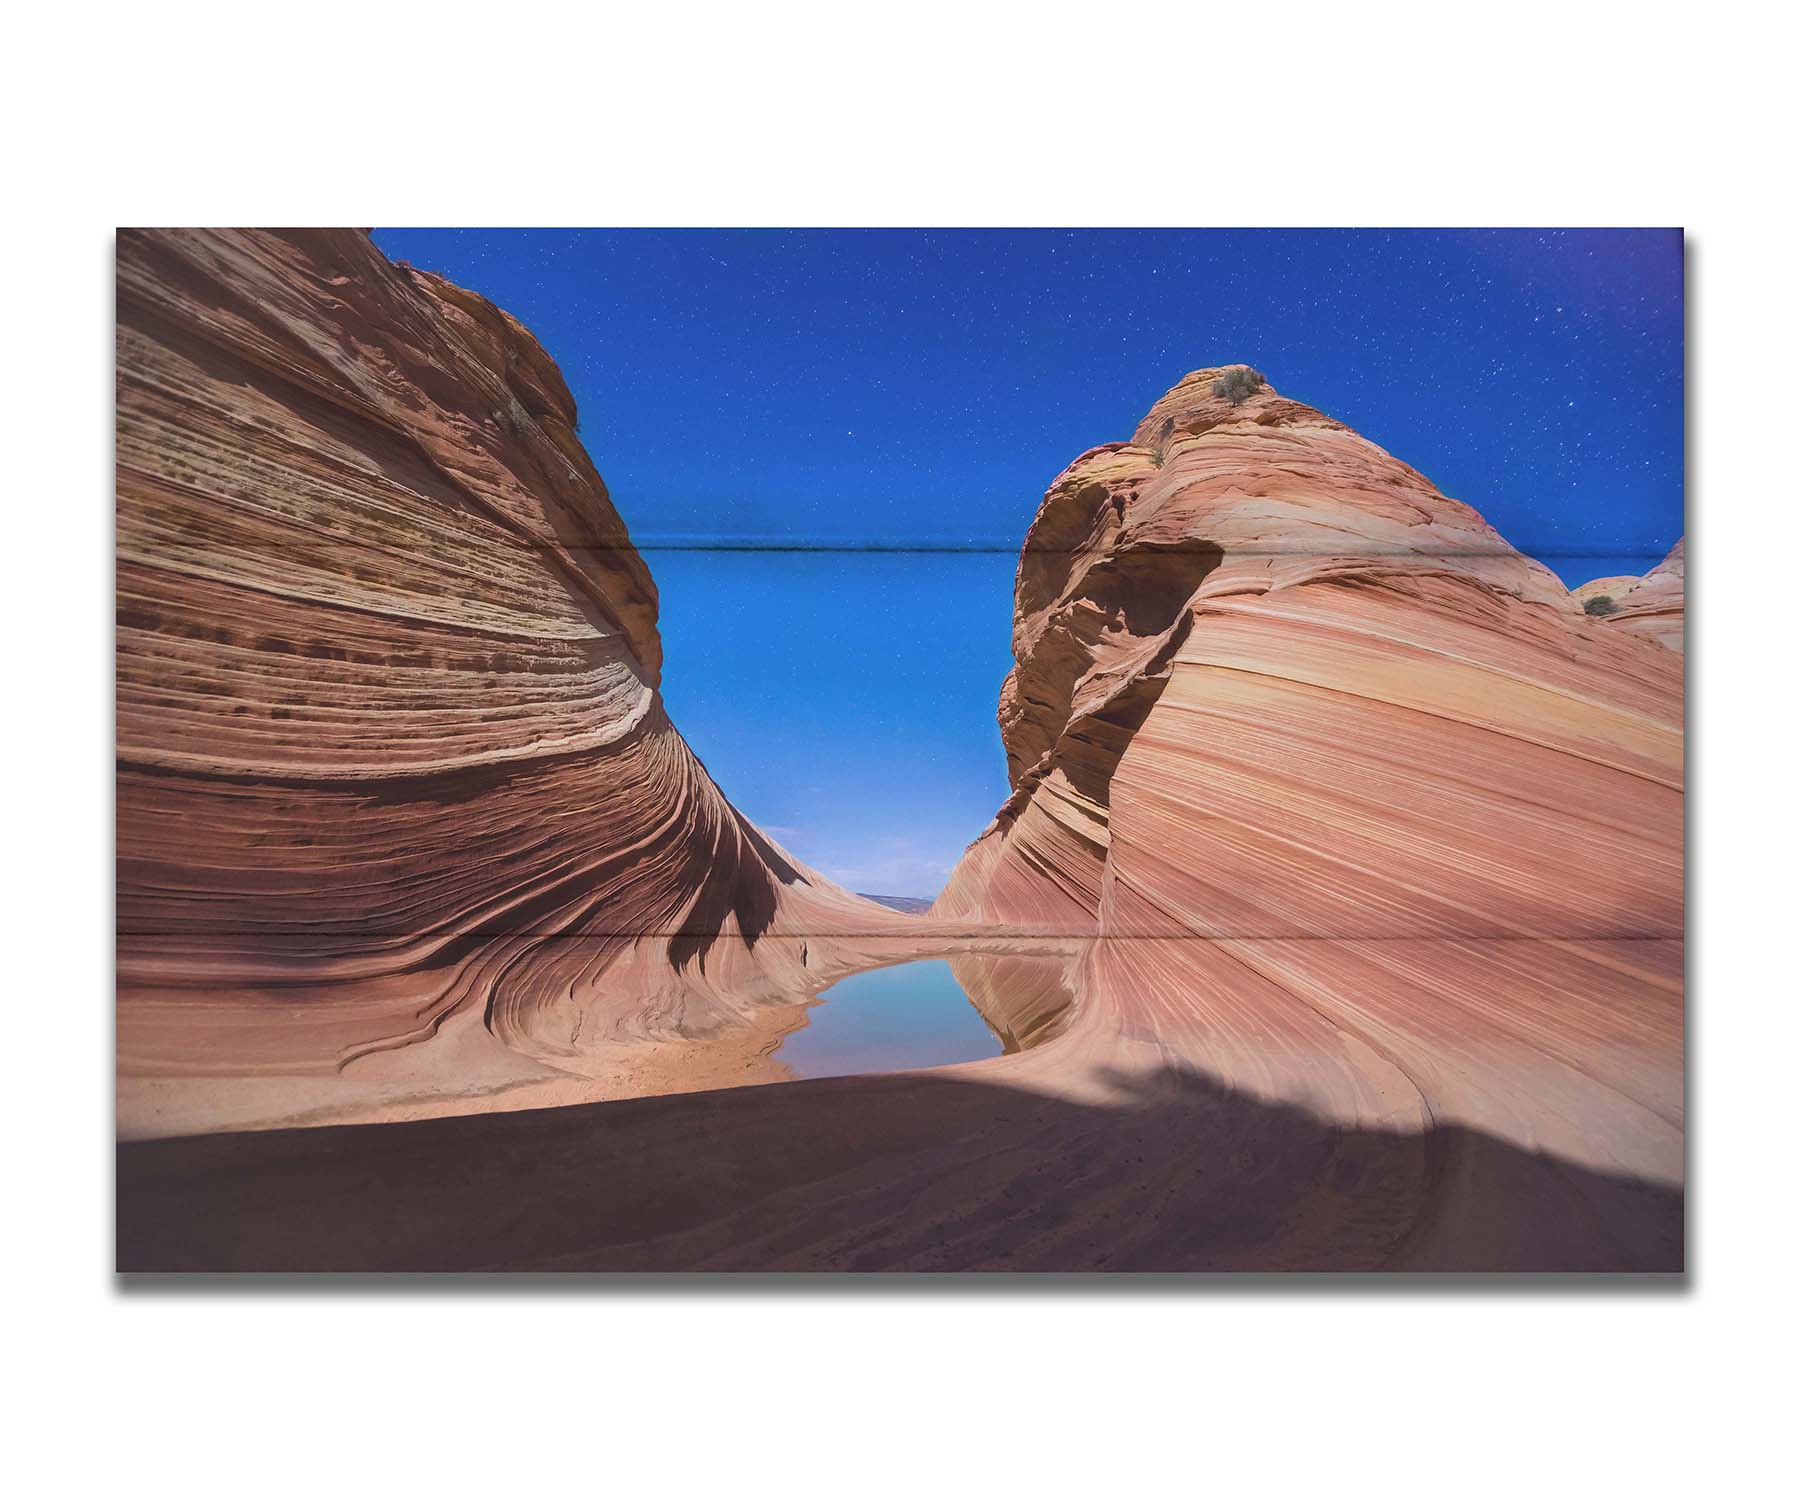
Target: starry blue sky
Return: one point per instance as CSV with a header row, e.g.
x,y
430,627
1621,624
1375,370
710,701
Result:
x,y
831,391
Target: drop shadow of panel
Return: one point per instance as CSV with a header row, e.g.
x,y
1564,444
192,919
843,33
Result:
x,y
919,1172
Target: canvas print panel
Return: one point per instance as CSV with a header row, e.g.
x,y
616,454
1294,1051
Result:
x,y
829,848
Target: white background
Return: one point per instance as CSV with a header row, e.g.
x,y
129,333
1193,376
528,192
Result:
x,y
952,114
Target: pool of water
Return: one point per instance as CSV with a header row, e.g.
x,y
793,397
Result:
x,y
912,1015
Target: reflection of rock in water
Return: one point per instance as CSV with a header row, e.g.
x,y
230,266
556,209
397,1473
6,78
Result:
x,y
882,1020
1026,1000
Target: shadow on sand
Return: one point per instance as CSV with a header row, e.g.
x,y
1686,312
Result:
x,y
903,1172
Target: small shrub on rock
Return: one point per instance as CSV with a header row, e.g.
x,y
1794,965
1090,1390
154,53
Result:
x,y
1238,384
1600,604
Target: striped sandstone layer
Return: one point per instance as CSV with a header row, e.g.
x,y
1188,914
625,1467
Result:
x,y
402,824
1354,807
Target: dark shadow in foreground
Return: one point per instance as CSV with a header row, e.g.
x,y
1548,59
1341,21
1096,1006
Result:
x,y
904,1172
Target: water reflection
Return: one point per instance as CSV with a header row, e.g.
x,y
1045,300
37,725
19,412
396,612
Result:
x,y
912,1015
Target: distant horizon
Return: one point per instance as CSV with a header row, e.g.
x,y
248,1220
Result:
x,y
817,391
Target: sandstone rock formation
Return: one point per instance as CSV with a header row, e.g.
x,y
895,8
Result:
x,y
392,765
1357,807
1334,920
1654,606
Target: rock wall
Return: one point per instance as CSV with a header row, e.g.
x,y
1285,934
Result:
x,y
392,764
1355,807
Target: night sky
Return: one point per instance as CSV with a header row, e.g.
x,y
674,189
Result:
x,y
833,389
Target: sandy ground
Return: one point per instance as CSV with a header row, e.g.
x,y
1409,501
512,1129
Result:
x,y
406,1083
970,1168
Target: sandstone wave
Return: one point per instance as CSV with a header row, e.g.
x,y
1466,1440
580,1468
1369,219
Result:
x,y
402,824
1354,844
1356,809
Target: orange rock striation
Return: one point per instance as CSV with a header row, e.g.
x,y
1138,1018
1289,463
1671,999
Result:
x,y
1353,804
392,765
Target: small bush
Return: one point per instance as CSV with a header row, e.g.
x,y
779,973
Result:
x,y
1600,604
1238,384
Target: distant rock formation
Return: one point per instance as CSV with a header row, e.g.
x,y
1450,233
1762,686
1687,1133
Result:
x,y
390,747
1654,606
912,904
1353,804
